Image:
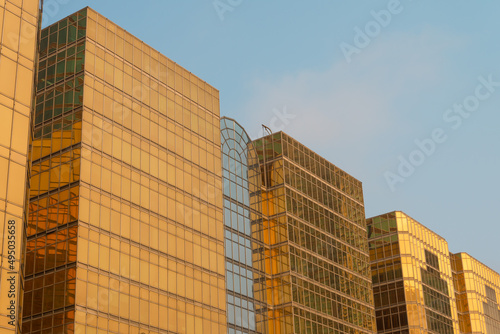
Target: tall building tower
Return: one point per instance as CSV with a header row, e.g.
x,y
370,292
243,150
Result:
x,y
19,26
246,312
316,260
412,278
125,227
477,290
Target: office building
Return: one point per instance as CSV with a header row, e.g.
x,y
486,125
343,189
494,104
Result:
x,y
412,277
477,291
246,311
125,228
316,259
127,205
19,25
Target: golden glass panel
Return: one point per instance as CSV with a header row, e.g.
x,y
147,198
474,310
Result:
x,y
23,93
5,127
8,75
15,193
11,33
136,176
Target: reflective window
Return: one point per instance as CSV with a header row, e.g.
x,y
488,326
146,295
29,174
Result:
x,y
411,275
127,187
477,290
314,232
19,22
241,212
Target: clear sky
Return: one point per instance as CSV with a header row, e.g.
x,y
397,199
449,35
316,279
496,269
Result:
x,y
403,95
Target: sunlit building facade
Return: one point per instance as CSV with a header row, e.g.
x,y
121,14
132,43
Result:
x,y
477,291
316,258
127,205
125,228
19,26
412,277
246,312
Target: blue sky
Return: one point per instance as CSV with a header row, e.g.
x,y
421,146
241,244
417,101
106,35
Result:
x,y
424,73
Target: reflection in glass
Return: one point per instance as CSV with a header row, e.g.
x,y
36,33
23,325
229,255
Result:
x,y
242,208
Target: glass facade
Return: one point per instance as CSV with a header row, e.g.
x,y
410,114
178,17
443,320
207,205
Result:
x,y
242,222
125,228
19,26
127,205
411,275
316,258
477,290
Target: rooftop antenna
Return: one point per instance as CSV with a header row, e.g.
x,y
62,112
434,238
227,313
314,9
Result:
x,y
267,129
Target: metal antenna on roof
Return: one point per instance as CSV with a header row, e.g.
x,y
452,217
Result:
x,y
267,129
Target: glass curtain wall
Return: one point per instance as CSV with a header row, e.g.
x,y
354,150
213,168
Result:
x,y
19,31
125,226
412,278
317,264
477,289
242,218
